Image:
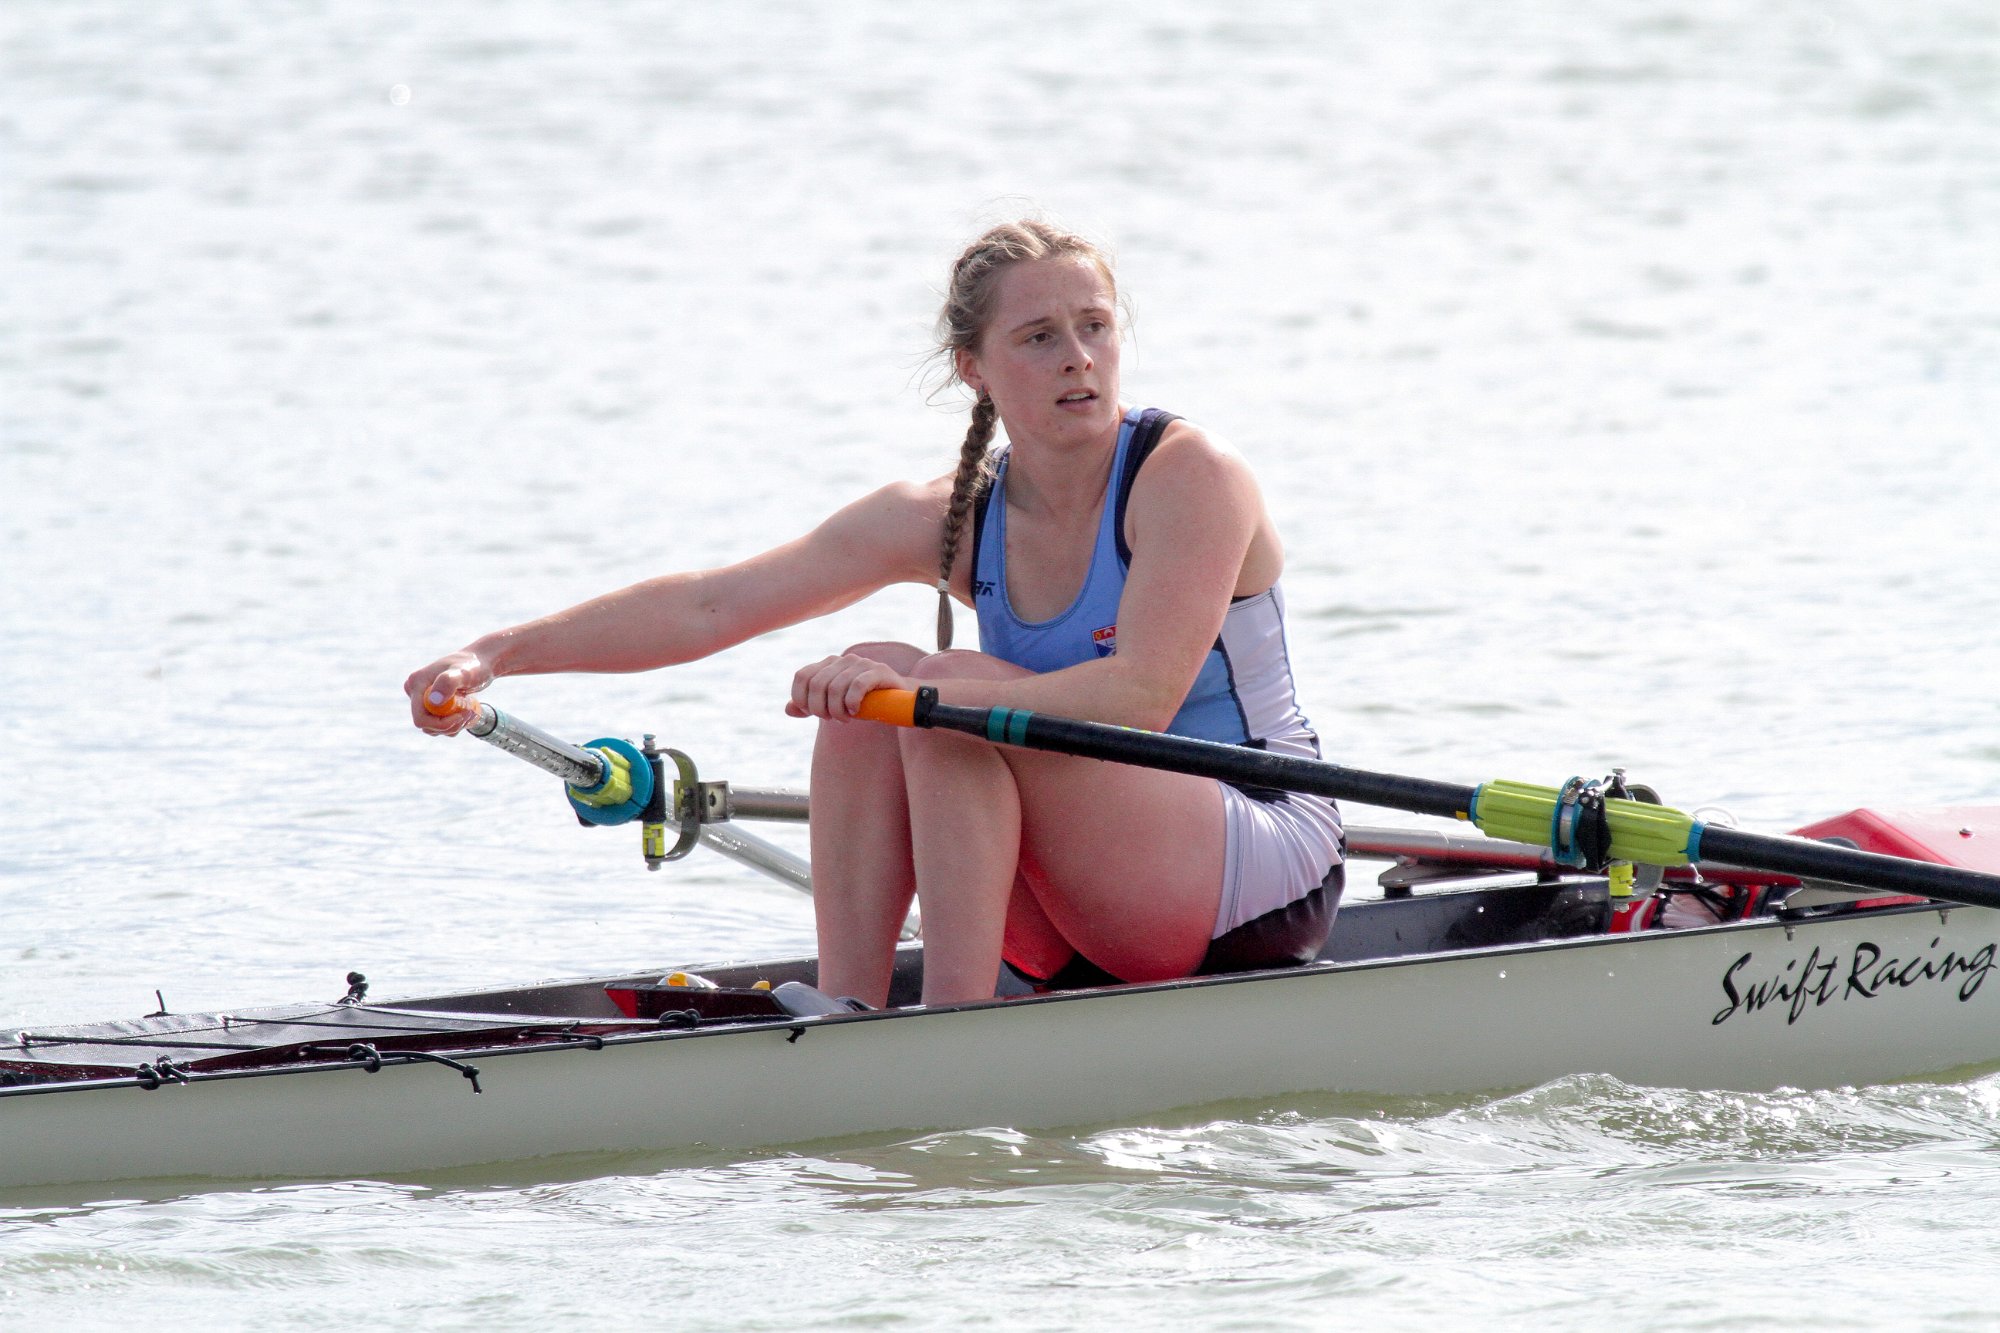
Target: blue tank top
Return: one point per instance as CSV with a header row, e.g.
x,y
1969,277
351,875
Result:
x,y
1244,692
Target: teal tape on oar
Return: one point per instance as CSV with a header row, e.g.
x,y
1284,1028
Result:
x,y
634,771
1008,726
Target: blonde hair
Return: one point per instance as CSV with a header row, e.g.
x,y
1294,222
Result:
x,y
968,309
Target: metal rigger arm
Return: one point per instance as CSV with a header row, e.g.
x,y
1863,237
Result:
x,y
610,781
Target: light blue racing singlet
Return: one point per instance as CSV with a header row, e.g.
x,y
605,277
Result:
x,y
1244,694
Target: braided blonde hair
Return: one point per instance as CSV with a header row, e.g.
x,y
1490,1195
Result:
x,y
968,308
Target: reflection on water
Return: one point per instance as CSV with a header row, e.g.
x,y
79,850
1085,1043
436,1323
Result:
x,y
1347,1198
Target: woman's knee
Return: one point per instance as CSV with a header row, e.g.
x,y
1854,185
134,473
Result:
x,y
924,745
964,664
902,657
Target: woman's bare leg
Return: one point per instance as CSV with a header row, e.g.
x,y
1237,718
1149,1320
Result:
x,y
1032,943
863,875
1126,863
965,837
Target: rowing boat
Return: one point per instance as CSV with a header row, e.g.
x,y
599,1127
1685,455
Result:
x,y
1479,964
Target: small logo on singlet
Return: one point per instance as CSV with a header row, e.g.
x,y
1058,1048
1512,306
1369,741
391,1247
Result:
x,y
1105,640
982,587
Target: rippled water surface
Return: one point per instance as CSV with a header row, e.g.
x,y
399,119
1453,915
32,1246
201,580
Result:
x,y
1623,377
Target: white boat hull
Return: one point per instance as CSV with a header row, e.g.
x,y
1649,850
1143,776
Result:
x,y
1863,998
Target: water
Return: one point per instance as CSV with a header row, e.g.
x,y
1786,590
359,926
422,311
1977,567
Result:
x,y
1622,376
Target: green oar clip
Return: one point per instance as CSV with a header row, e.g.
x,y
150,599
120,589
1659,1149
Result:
x,y
1585,825
1582,826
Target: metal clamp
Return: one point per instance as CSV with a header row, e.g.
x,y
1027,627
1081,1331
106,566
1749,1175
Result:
x,y
686,806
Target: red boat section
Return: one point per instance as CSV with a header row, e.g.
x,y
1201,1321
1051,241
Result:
x,y
1963,835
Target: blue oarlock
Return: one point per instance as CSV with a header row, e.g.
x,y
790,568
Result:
x,y
636,770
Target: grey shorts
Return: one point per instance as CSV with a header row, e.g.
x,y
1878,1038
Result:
x,y
1276,849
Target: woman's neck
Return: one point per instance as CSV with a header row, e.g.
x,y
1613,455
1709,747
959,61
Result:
x,y
1057,482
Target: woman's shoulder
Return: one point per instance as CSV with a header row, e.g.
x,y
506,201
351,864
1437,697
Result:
x,y
1190,453
1197,486
904,500
900,519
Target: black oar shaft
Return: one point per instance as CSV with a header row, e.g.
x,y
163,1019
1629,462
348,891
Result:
x,y
1209,759
1845,865
1260,768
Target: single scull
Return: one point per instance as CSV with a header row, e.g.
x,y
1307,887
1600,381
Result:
x,y
1483,964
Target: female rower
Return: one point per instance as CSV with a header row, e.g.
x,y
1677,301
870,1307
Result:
x,y
1123,569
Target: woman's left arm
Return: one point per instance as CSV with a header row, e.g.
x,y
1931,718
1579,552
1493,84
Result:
x,y
1199,536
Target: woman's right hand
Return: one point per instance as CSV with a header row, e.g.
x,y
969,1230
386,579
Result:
x,y
834,687
452,676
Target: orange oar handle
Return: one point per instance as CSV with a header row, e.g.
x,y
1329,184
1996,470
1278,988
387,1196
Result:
x,y
458,703
896,707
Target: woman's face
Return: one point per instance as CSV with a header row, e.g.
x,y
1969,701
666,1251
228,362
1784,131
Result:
x,y
1049,355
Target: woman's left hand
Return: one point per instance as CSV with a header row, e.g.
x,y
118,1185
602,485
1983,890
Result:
x,y
834,688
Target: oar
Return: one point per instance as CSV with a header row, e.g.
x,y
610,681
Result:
x,y
611,782
608,781
1638,832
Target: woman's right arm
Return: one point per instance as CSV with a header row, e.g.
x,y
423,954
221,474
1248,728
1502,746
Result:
x,y
887,537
